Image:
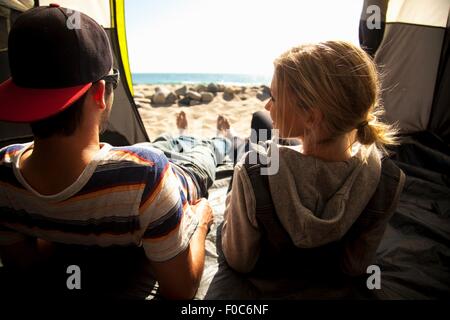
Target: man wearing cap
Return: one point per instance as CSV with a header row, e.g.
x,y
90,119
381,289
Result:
x,y
66,187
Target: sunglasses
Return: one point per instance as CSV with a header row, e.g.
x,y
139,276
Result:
x,y
113,78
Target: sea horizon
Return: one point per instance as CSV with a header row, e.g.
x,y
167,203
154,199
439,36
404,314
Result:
x,y
201,78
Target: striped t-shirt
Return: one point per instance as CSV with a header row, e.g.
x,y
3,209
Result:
x,y
125,196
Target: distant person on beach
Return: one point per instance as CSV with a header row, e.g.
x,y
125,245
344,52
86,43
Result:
x,y
327,95
67,187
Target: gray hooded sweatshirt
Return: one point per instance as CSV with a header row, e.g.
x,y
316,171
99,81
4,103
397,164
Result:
x,y
316,202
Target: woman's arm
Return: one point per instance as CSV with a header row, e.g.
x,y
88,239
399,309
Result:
x,y
240,233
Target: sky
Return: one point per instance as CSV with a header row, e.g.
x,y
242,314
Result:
x,y
230,36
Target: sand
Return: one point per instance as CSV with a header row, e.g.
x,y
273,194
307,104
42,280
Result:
x,y
202,118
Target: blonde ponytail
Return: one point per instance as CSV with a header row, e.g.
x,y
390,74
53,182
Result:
x,y
373,131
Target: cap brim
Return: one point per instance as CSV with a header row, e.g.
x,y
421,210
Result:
x,y
20,104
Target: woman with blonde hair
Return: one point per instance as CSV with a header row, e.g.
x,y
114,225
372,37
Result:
x,y
335,190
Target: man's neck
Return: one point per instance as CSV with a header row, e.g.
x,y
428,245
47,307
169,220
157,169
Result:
x,y
73,149
56,162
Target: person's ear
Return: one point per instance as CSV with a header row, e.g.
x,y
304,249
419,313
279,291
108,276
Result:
x,y
98,93
313,118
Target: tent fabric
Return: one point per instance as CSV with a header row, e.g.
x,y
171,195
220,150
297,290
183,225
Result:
x,y
370,37
124,119
18,5
125,126
409,70
9,132
440,114
410,59
429,13
415,251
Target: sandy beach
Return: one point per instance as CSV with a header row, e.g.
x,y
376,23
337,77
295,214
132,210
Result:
x,y
159,104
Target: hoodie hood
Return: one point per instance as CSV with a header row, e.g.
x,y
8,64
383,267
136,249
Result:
x,y
318,201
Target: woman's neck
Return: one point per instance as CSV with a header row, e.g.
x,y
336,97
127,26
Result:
x,y
337,149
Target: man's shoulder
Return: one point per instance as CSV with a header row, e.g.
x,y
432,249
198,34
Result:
x,y
7,153
142,154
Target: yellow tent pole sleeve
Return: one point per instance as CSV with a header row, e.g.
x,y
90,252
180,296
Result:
x,y
112,14
118,22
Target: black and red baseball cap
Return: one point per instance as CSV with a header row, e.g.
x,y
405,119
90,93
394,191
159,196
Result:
x,y
55,54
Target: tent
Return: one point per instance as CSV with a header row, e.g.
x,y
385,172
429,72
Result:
x,y
411,48
125,125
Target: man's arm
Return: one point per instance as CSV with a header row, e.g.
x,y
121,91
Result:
x,y
180,276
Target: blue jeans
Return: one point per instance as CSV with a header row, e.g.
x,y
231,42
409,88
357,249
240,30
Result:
x,y
198,157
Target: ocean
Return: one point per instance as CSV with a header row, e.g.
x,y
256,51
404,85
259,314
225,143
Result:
x,y
204,78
